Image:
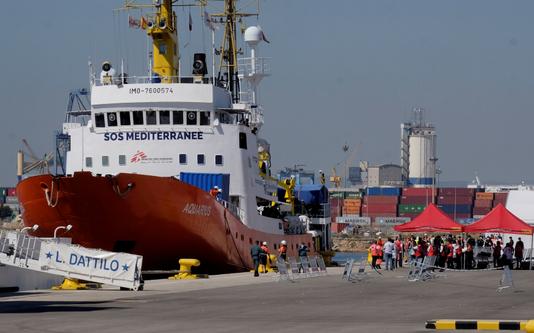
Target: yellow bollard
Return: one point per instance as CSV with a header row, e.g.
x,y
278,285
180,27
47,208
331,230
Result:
x,y
70,284
185,270
268,268
481,325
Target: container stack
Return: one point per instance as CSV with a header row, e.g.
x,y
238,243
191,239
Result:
x,y
500,198
336,205
352,207
483,204
380,202
456,202
414,200
8,197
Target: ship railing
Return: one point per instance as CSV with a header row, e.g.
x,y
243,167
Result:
x,y
236,211
253,66
118,80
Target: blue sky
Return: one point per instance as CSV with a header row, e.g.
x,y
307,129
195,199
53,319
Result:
x,y
343,72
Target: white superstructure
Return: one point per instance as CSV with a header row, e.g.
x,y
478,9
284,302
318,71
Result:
x,y
187,125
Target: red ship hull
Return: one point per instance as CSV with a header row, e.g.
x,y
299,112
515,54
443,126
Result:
x,y
162,219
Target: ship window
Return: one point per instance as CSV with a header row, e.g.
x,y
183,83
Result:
x,y
204,118
105,160
164,118
151,118
137,117
275,246
99,120
88,162
177,117
250,240
191,118
243,237
236,234
112,119
242,140
125,118
218,160
183,158
201,160
122,159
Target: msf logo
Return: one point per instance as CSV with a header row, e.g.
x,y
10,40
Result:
x,y
139,156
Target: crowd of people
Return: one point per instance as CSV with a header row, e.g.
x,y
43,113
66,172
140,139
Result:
x,y
261,255
451,252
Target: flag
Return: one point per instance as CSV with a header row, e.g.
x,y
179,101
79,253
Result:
x,y
133,23
208,21
143,23
264,38
190,22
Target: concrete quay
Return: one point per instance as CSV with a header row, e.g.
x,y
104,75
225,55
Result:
x,y
242,303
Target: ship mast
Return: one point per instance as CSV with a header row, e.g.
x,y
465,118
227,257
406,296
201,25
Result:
x,y
229,51
161,27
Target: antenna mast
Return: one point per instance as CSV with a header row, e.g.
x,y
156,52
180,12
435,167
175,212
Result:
x,y
229,51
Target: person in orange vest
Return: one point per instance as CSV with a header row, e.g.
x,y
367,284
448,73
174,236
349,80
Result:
x,y
264,256
380,253
282,250
430,252
450,254
214,191
374,254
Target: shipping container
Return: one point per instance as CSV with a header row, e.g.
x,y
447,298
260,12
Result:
x,y
389,191
417,192
336,195
353,195
458,191
411,208
483,203
379,208
497,202
336,202
481,210
458,209
373,216
385,220
354,220
352,202
351,211
2,199
415,200
206,181
381,199
3,191
12,192
11,200
455,200
501,196
484,196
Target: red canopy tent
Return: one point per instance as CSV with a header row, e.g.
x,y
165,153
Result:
x,y
500,220
432,219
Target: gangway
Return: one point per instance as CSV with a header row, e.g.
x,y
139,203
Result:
x,y
57,256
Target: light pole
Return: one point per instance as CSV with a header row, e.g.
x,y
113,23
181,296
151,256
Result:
x,y
67,228
34,227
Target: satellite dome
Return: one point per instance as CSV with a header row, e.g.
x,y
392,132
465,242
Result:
x,y
253,35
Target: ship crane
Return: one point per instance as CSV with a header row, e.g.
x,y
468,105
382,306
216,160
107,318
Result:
x,y
42,165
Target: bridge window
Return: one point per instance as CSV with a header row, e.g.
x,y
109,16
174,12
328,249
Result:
x,y
88,162
138,117
204,118
99,120
151,118
191,118
177,117
112,119
105,160
218,160
122,159
201,159
182,158
125,118
164,118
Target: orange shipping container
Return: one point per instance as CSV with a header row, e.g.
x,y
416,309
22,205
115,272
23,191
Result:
x,y
352,202
484,196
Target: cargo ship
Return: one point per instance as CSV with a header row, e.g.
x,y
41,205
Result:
x,y
141,163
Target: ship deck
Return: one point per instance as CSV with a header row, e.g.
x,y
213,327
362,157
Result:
x,y
240,303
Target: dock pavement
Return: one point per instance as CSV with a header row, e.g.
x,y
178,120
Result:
x,y
385,302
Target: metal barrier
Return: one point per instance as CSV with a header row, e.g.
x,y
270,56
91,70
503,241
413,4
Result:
x,y
359,276
308,267
422,270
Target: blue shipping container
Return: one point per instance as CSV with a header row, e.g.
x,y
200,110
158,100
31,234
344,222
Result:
x,y
207,181
459,209
389,191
